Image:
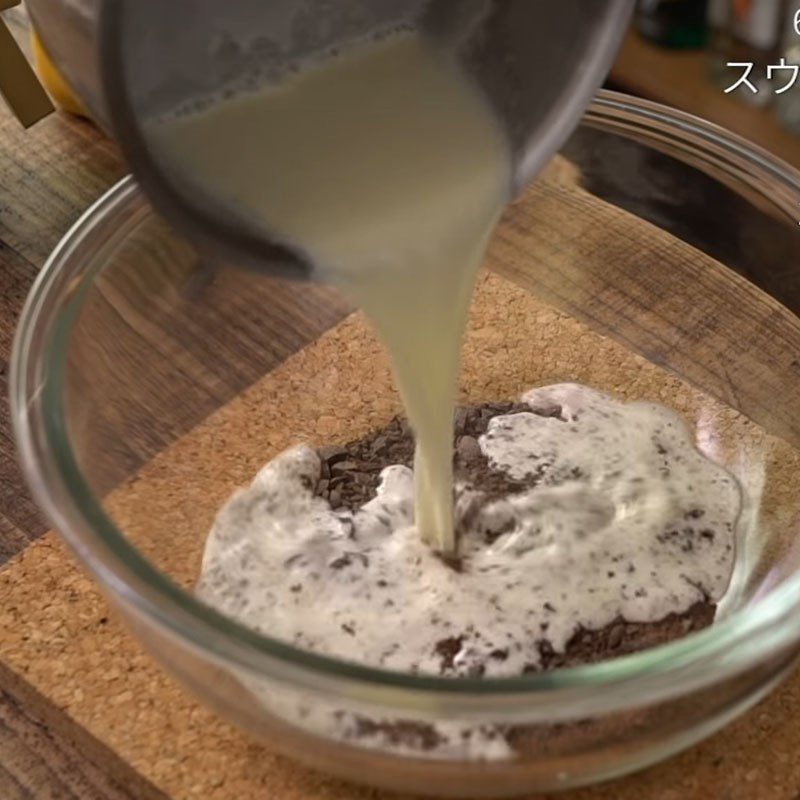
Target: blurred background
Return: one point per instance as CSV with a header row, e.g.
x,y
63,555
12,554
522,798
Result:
x,y
677,52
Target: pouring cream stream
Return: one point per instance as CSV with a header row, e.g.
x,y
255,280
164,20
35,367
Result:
x,y
386,165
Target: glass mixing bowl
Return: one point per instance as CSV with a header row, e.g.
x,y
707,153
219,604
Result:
x,y
653,258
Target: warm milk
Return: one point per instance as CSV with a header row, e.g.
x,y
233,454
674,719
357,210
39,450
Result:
x,y
387,167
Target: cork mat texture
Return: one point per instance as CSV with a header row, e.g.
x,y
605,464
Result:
x,y
57,632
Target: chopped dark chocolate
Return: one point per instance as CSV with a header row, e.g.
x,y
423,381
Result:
x,y
356,467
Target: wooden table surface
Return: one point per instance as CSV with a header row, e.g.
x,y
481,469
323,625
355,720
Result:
x,y
48,176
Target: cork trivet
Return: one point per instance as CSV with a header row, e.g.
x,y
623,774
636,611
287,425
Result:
x,y
57,632
663,298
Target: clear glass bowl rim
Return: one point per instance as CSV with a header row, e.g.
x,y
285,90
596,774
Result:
x,y
726,648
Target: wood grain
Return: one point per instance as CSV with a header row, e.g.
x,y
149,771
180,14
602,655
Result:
x,y
20,520
48,176
164,338
38,755
51,173
680,78
44,757
56,628
661,297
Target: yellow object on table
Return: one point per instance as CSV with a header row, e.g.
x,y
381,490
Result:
x,y
52,80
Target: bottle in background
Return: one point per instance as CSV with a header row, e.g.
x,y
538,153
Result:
x,y
745,31
673,23
787,104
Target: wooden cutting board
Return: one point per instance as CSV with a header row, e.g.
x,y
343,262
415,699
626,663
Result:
x,y
84,713
65,656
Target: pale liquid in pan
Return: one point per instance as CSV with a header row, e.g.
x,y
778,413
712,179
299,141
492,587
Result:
x,y
388,168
